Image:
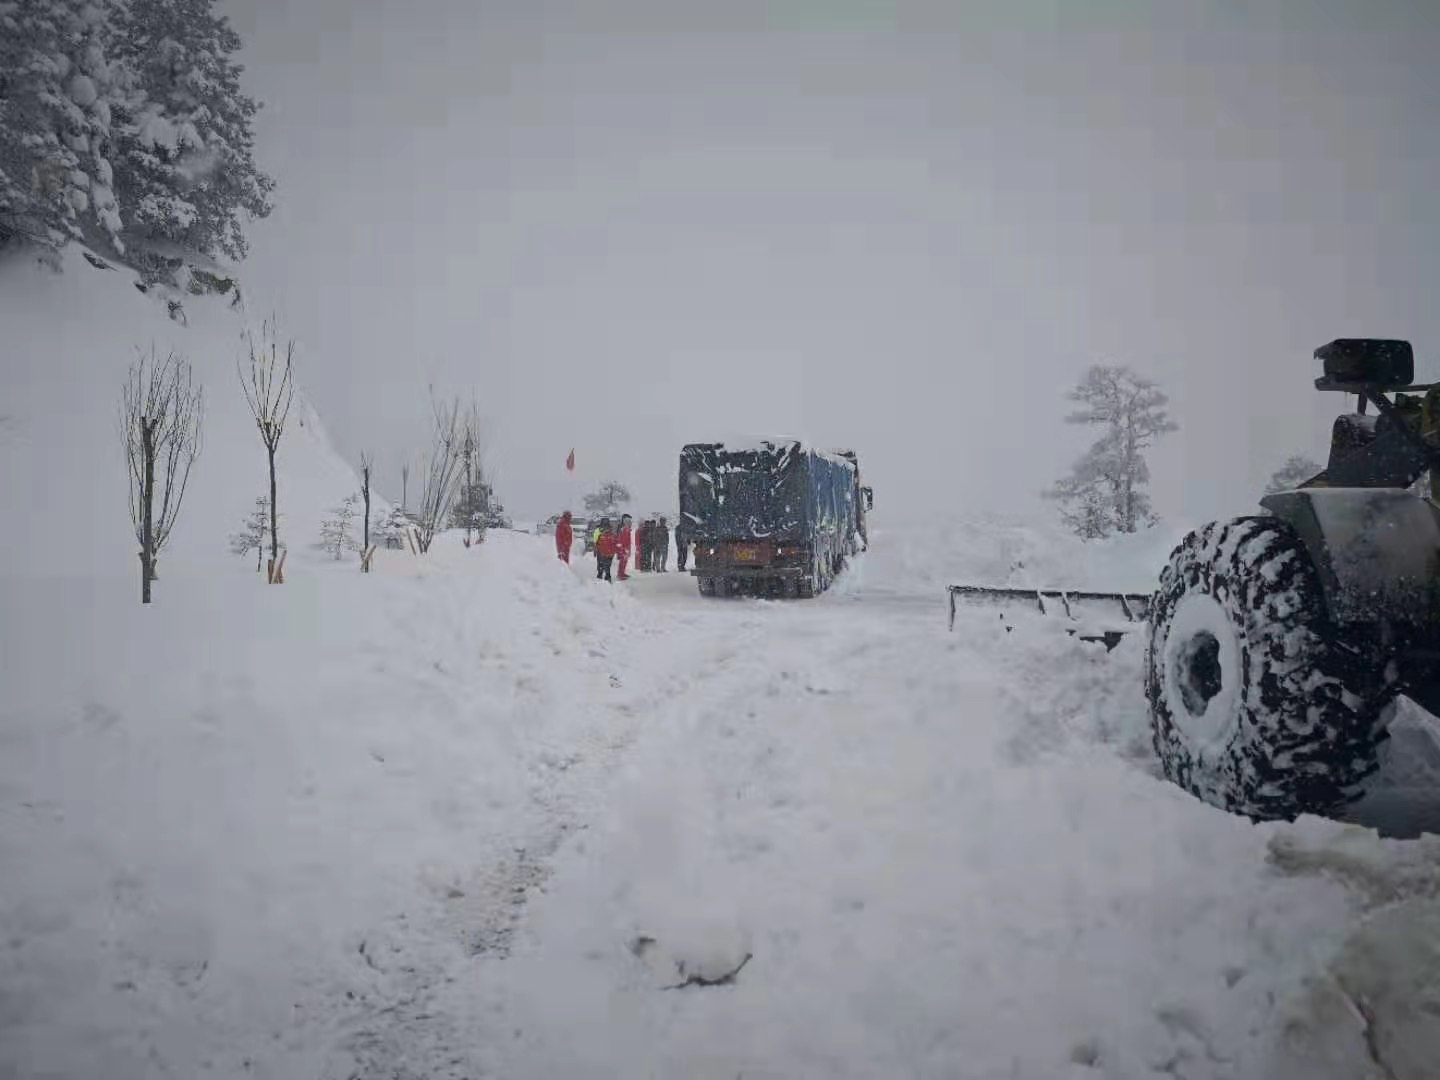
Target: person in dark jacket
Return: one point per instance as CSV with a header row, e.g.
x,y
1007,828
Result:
x,y
682,547
564,537
642,547
607,546
661,549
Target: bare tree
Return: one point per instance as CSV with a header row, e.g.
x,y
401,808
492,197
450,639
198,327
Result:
x,y
161,414
269,390
251,536
1297,469
405,486
367,463
1132,411
442,471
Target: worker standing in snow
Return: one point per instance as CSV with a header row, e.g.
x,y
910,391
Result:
x,y
606,546
642,547
682,546
661,546
625,544
564,538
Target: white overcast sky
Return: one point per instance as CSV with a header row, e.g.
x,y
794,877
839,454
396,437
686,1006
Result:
x,y
900,227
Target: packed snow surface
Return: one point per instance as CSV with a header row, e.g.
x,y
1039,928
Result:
x,y
478,814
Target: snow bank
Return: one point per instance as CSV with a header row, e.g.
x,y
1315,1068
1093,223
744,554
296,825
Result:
x,y
69,340
1019,553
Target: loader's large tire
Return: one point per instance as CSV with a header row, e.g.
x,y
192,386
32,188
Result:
x,y
1255,705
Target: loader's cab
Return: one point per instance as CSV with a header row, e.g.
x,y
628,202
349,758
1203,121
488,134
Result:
x,y
1393,446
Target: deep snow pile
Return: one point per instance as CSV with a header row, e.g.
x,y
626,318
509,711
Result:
x,y
69,339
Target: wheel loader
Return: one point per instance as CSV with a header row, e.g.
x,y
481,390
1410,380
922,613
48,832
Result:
x,y
1287,650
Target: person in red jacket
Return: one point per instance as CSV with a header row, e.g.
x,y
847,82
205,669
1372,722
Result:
x,y
564,537
627,544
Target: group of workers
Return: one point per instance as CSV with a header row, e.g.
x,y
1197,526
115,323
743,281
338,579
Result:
x,y
649,544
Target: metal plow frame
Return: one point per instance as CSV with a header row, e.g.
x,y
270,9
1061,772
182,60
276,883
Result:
x,y
1134,606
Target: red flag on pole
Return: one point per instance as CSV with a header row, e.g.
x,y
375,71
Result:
x,y
570,461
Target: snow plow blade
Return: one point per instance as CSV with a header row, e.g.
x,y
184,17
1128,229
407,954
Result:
x,y
1105,617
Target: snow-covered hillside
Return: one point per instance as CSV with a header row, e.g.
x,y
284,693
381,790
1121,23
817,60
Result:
x,y
68,340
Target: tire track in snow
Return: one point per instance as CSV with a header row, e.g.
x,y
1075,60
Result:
x,y
411,1028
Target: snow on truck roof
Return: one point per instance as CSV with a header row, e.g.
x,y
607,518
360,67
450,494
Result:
x,y
775,446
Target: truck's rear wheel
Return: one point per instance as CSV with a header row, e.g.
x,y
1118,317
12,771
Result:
x,y
707,586
1255,706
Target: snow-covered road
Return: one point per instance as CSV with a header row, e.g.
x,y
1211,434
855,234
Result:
x,y
489,821
945,855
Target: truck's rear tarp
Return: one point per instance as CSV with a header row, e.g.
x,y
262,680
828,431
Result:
x,y
777,491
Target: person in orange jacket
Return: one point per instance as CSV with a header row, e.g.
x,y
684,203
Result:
x,y
564,538
627,544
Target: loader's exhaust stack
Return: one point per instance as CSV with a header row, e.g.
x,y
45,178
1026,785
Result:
x,y
1105,617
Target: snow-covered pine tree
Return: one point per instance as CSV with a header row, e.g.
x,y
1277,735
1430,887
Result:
x,y
390,533
1297,469
59,92
608,498
1086,500
1132,411
252,534
186,169
335,534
